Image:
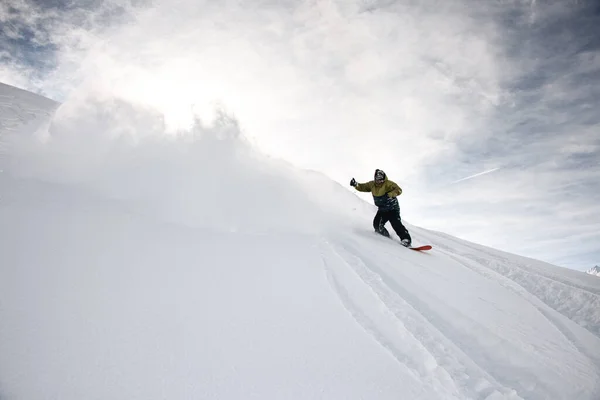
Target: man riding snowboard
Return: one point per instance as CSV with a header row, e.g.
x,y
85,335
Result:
x,y
384,193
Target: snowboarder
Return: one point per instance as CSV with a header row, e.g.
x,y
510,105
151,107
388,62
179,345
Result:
x,y
384,193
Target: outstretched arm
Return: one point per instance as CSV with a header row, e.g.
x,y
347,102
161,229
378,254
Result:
x,y
364,187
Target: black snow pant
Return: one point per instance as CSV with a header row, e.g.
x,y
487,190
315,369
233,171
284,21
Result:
x,y
393,216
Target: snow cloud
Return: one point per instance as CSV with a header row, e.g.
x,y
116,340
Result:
x,y
431,92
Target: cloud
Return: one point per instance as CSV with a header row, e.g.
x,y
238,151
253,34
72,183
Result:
x,y
430,92
296,66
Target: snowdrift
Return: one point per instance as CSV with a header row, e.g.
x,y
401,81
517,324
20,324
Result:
x,y
136,265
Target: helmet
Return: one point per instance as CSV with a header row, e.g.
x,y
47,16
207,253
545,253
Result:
x,y
379,176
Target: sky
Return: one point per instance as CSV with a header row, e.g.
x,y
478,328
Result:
x,y
485,113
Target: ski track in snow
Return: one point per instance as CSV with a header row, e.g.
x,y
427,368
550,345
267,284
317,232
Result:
x,y
446,357
405,332
576,302
546,310
377,318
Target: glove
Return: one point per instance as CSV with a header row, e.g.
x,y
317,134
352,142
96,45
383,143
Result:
x,y
390,195
353,182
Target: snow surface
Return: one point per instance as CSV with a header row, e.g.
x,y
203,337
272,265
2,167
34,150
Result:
x,y
135,265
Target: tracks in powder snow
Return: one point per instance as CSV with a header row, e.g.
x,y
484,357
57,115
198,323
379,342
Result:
x,y
549,313
394,317
577,303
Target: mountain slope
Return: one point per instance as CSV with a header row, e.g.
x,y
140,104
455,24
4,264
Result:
x,y
194,267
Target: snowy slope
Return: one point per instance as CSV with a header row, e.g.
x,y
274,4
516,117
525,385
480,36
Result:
x,y
23,111
152,267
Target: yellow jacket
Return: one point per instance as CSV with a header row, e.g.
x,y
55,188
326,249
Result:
x,y
384,194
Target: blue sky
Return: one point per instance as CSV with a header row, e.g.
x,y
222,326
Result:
x,y
432,92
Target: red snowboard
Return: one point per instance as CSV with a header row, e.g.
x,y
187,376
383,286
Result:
x,y
421,248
